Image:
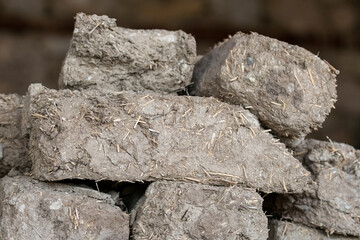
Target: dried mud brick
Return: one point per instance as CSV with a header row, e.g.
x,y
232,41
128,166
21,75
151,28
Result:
x,y
106,57
30,209
289,89
146,137
174,210
335,205
282,230
12,144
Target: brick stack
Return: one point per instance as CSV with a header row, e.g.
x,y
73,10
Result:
x,y
207,159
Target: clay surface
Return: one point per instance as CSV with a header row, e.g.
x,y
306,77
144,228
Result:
x,y
144,137
289,89
335,205
12,145
173,210
106,57
281,230
30,209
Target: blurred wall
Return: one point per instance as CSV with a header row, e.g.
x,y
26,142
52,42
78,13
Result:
x,y
35,35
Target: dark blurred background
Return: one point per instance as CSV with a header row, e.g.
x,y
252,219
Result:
x,y
35,36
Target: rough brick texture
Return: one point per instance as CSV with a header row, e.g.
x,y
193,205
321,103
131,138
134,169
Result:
x,y
106,57
282,230
30,209
12,144
145,137
289,89
335,204
173,210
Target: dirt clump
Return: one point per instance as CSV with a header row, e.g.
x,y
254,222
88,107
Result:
x,y
146,137
12,145
175,210
283,230
30,209
106,57
335,203
289,89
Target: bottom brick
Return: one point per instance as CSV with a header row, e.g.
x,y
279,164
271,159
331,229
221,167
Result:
x,y
30,209
174,210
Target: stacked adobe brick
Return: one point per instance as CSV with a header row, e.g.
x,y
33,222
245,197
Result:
x,y
117,117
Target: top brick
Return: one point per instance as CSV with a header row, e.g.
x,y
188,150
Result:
x,y
106,57
288,88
